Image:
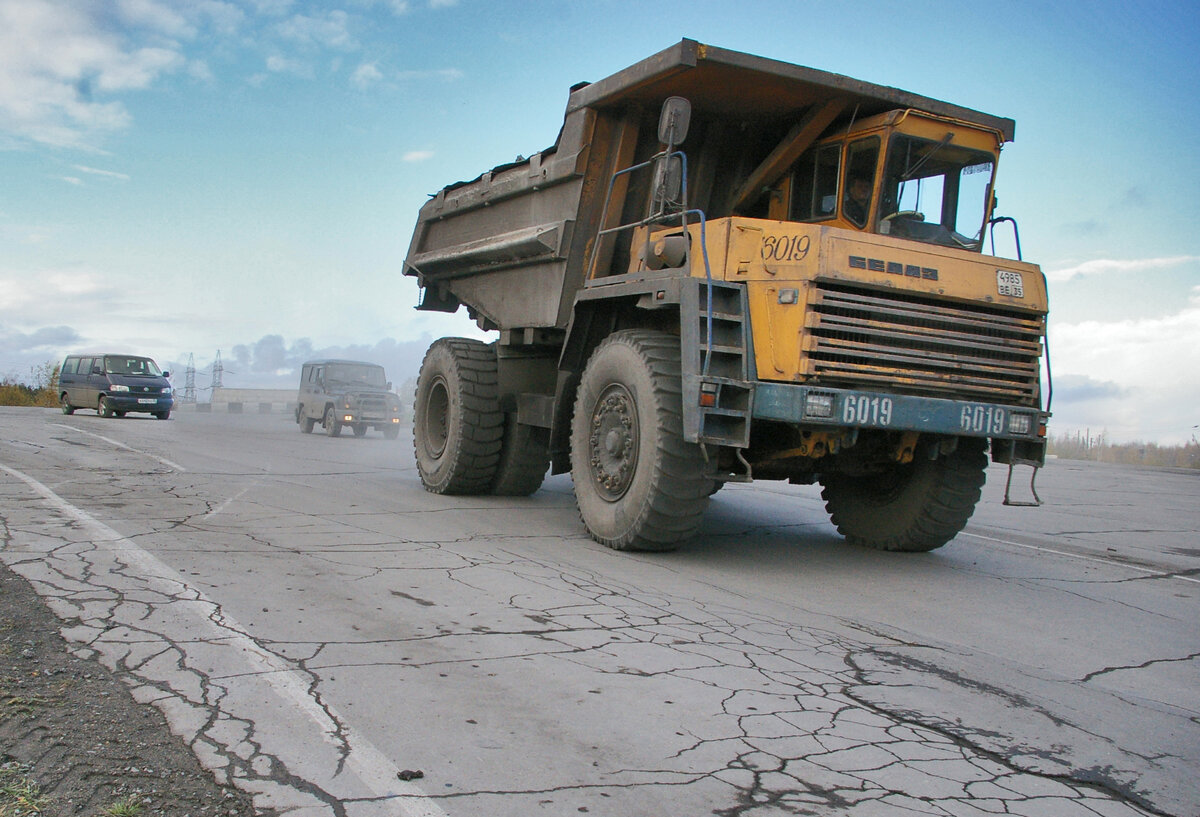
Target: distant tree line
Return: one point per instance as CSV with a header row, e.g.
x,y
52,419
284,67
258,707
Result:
x,y
41,388
1085,446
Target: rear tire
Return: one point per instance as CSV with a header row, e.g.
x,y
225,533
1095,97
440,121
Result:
x,y
306,424
360,430
457,422
638,484
913,508
67,408
391,432
524,459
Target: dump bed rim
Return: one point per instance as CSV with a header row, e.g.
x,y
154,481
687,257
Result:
x,y
639,78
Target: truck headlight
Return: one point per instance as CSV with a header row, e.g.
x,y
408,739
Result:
x,y
818,405
1019,423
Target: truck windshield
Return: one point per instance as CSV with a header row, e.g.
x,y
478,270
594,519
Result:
x,y
356,375
935,192
136,366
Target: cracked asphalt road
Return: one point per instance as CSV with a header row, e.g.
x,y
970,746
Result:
x,y
318,629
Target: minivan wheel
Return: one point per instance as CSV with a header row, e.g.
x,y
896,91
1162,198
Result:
x,y
67,408
104,408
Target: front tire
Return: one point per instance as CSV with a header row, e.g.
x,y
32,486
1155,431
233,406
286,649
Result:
x,y
332,427
104,408
457,422
360,430
638,484
912,508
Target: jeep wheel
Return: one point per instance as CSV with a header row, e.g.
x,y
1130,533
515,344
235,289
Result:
x,y
457,422
360,429
332,427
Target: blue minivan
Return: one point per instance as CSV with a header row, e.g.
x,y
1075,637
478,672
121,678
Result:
x,y
114,385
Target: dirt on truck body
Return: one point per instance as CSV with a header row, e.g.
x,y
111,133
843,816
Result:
x,y
729,268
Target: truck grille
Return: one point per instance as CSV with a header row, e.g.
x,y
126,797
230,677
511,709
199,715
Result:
x,y
919,345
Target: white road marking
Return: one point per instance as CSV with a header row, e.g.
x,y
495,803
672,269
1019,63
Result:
x,y
376,772
120,444
1101,560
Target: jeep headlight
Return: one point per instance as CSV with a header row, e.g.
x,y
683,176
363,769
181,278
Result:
x,y
119,388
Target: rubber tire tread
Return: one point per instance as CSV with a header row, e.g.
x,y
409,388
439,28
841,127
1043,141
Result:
x,y
667,498
928,508
524,459
467,465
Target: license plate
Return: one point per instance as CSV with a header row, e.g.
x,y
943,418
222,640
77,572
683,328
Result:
x,y
1010,284
143,401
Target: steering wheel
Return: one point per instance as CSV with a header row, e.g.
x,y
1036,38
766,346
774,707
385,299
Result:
x,y
915,215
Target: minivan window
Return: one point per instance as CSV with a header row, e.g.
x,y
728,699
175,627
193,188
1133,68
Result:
x,y
70,366
135,366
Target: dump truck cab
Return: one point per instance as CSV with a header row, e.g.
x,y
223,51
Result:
x,y
902,173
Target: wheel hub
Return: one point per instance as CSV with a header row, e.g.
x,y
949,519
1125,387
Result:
x,y
613,442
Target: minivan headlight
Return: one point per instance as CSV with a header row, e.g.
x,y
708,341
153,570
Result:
x,y
119,388
166,390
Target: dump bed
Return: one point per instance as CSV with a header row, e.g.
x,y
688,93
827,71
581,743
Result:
x,y
512,244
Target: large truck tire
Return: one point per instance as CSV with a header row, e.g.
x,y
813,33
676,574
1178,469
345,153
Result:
x,y
457,422
524,459
638,484
915,507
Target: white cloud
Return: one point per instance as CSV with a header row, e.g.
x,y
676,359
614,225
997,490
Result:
x,y
283,65
155,16
329,31
418,155
365,75
111,174
1102,266
72,180
54,57
1149,366
442,4
447,74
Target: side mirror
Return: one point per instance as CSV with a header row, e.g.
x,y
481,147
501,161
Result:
x,y
166,374
674,120
388,386
97,370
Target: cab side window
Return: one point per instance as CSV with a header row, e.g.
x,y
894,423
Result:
x,y
814,196
862,157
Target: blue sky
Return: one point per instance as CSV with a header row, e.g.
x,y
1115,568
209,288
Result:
x,y
244,175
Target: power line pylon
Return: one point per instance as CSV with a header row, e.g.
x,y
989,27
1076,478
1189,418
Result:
x,y
218,372
189,382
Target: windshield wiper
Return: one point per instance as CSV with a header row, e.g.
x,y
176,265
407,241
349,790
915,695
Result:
x,y
912,171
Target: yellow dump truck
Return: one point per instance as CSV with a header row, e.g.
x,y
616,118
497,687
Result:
x,y
730,268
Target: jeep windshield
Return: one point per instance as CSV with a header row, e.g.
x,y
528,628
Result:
x,y
935,192
350,374
133,366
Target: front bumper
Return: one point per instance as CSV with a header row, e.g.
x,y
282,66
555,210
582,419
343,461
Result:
x,y
846,408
